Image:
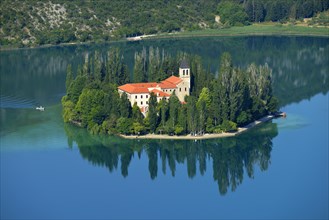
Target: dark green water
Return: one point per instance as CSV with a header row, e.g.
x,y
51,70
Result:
x,y
278,170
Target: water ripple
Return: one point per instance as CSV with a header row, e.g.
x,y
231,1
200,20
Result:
x,y
16,102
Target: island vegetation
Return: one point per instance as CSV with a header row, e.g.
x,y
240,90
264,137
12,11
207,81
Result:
x,y
30,23
235,97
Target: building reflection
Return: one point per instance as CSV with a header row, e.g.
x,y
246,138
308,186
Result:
x,y
231,158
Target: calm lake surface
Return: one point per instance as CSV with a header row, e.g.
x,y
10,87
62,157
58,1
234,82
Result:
x,y
279,170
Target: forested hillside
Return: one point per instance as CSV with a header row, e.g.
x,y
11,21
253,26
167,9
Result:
x,y
36,22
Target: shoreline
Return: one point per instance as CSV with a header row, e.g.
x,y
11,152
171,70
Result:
x,y
251,30
203,137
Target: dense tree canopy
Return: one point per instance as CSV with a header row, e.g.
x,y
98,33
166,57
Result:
x,y
36,22
216,104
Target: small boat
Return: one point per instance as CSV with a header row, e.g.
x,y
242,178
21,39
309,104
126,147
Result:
x,y
280,114
40,108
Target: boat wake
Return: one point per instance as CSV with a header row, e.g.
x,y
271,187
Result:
x,y
16,102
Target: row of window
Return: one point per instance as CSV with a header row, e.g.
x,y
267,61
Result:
x,y
146,103
180,89
147,96
185,72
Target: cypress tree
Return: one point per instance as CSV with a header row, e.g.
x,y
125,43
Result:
x,y
163,111
174,105
137,116
152,112
97,66
191,114
138,68
69,77
225,73
203,106
182,118
125,107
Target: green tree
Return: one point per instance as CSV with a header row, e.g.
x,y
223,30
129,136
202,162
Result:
x,y
76,88
163,111
152,112
69,77
68,109
229,126
90,107
174,105
255,10
182,120
273,105
125,106
86,66
97,66
138,74
225,73
203,106
192,117
154,64
137,116
124,125
138,128
232,13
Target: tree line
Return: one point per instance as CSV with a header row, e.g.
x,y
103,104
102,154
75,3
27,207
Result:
x,y
242,12
216,104
35,22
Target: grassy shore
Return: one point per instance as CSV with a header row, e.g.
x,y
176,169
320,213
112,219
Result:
x,y
261,29
252,30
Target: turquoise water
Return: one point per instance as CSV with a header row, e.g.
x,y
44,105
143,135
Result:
x,y
278,170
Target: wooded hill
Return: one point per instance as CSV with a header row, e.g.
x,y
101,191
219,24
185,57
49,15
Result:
x,y
35,22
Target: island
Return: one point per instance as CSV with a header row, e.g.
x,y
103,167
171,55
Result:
x,y
172,97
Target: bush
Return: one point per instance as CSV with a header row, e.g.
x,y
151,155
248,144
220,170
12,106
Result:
x,y
229,126
68,109
124,125
244,118
179,130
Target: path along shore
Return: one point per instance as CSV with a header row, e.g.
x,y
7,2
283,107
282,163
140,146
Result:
x,y
201,137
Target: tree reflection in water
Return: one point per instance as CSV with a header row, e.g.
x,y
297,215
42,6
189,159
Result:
x,y
230,156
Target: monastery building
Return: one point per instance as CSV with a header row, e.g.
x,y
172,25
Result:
x,y
140,92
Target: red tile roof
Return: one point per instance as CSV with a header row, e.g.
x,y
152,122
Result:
x,y
173,79
160,93
167,85
136,88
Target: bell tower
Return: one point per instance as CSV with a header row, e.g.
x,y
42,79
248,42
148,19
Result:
x,y
185,73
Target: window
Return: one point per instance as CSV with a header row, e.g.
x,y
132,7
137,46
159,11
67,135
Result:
x,y
169,90
185,89
183,72
180,89
141,103
141,96
135,96
147,96
186,72
147,102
